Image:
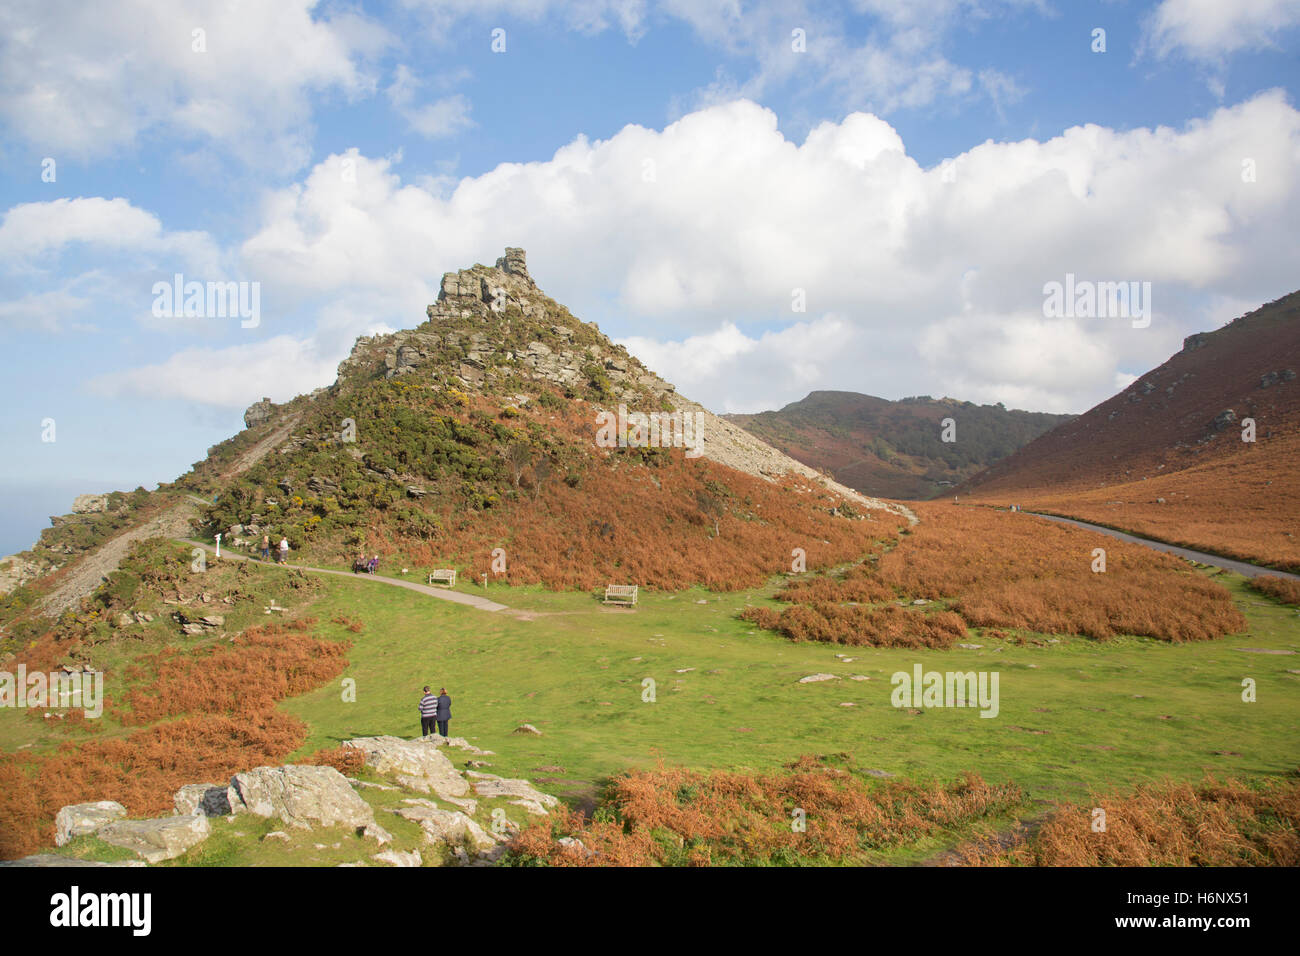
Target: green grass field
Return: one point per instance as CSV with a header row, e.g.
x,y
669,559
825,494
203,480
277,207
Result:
x,y
1074,715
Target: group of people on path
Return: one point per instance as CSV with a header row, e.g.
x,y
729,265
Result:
x,y
435,712
282,552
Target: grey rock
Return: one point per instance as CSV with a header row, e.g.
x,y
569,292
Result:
x,y
489,785
83,819
89,504
209,799
258,412
398,858
416,764
450,826
300,796
156,840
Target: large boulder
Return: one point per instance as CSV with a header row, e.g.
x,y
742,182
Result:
x,y
303,797
83,819
417,765
156,840
208,799
258,413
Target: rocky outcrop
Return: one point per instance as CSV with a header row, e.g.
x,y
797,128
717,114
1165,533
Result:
x,y
512,263
451,827
258,413
303,797
564,353
83,819
418,765
156,840
524,794
208,799
89,504
16,570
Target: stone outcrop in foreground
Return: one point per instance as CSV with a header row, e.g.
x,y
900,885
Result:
x,y
303,797
156,840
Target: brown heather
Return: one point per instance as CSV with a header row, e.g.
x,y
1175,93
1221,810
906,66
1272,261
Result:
x,y
1173,824
1282,589
676,817
1004,570
228,696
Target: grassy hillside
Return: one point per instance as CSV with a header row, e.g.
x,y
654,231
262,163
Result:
x,y
895,449
1076,714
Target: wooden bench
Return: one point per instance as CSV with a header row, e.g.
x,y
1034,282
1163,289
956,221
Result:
x,y
621,594
445,576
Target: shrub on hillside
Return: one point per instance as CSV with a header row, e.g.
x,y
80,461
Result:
x,y
1173,824
1282,589
677,817
890,626
228,696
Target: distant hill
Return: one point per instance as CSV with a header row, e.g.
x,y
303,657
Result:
x,y
1165,457
895,449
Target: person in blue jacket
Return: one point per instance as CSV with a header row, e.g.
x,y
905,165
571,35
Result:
x,y
444,711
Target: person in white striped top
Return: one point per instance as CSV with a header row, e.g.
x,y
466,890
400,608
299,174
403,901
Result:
x,y
428,713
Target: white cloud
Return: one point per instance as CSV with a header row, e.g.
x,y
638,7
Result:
x,y
34,231
913,284
49,311
91,80
231,377
1212,29
445,116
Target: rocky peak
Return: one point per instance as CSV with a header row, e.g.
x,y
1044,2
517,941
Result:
x,y
258,413
512,263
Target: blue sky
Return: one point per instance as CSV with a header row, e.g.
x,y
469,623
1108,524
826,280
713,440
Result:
x,y
344,156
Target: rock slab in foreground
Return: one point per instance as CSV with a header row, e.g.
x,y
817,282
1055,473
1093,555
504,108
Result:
x,y
156,840
83,819
303,796
418,765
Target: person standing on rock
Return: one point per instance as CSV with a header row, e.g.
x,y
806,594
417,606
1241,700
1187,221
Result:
x,y
444,711
266,547
428,713
284,550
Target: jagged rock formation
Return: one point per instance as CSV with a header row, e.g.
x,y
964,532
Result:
x,y
258,413
470,333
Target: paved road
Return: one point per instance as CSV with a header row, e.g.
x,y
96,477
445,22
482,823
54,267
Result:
x,y
1228,564
444,594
